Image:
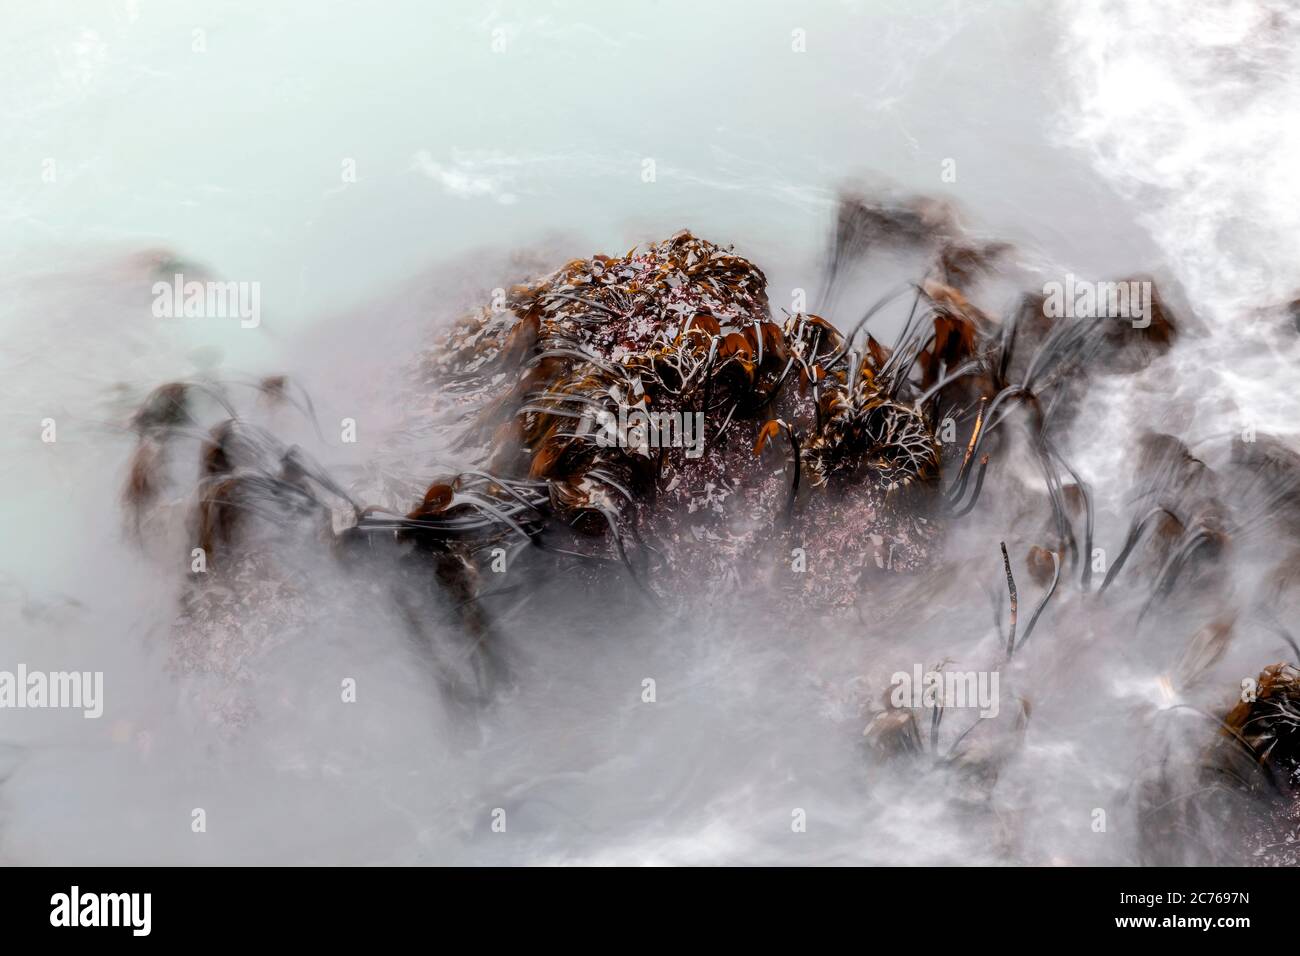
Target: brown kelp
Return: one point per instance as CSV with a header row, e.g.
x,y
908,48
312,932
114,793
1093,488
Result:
x,y
641,422
644,419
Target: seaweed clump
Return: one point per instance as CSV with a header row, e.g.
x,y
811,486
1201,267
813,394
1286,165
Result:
x,y
676,430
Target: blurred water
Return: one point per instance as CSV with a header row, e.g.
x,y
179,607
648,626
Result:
x,y
1105,139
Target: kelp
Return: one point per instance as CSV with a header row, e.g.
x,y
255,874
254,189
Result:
x,y
682,328
817,436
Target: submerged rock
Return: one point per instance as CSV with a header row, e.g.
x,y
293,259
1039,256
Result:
x,y
678,430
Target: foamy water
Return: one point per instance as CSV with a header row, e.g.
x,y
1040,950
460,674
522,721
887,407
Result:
x,y
1104,140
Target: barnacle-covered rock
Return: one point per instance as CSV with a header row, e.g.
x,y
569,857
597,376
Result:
x,y
1239,801
644,421
1266,731
685,435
